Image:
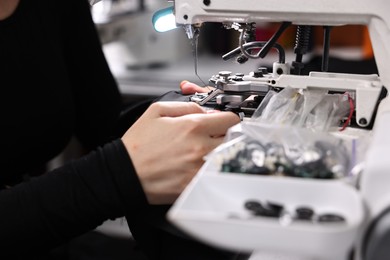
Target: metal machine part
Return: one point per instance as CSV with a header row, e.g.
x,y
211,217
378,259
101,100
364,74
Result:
x,y
365,88
190,13
330,13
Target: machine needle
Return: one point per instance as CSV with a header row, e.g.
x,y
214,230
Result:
x,y
194,42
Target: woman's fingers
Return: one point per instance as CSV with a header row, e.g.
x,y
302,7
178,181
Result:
x,y
188,88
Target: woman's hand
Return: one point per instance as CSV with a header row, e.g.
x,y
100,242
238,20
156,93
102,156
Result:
x,y
167,145
188,88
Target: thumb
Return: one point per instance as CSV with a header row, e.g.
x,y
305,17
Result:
x,y
175,109
191,88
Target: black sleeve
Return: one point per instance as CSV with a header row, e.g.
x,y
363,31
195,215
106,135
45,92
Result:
x,y
95,90
64,203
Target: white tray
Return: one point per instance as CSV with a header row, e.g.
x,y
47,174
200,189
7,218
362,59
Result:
x,y
212,210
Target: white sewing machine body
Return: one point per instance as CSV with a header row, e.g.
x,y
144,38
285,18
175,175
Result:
x,y
211,206
321,12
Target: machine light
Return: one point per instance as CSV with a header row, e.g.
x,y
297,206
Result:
x,y
164,20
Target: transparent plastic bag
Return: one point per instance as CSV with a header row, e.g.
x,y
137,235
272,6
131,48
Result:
x,y
265,149
314,109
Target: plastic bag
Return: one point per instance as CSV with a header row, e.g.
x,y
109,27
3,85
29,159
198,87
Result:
x,y
265,149
314,109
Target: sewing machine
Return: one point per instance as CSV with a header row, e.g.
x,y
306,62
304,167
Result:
x,y
211,207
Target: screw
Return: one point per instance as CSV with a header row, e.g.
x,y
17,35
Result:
x,y
206,2
279,71
241,59
225,75
363,121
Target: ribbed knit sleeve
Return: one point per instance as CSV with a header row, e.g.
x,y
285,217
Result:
x,y
69,201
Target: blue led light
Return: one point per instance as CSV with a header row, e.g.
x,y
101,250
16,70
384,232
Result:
x,y
164,20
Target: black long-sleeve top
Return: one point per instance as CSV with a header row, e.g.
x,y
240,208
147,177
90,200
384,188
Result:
x,y
55,84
